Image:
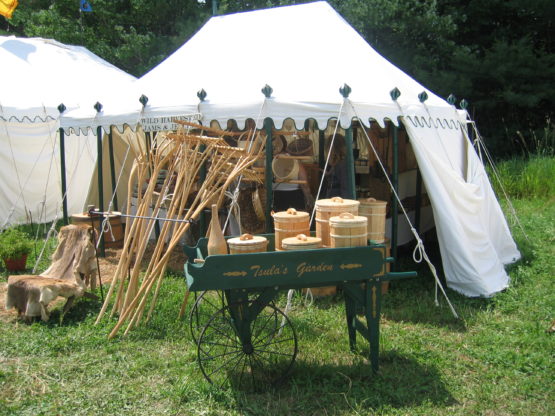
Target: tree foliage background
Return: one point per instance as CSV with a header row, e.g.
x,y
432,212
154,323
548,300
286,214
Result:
x,y
497,54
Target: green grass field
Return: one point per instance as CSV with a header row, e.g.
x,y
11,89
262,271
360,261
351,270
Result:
x,y
497,359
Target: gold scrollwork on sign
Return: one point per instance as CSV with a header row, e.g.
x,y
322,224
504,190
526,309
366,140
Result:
x,y
351,266
242,273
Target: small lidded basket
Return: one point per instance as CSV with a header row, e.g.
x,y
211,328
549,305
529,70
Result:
x,y
247,243
290,223
348,230
301,242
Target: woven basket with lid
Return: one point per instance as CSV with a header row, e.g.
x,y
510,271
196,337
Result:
x,y
348,230
327,208
247,243
290,223
375,211
301,242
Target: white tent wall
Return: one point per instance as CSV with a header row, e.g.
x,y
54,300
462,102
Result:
x,y
475,241
43,74
30,189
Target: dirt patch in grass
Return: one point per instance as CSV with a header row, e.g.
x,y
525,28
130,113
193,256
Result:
x,y
108,266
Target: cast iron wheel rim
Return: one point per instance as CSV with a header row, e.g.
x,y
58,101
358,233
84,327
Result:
x,y
203,309
205,306
226,363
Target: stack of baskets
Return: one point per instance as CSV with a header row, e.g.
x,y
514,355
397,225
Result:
x,y
339,223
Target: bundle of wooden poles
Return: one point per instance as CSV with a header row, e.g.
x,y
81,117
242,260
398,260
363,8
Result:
x,y
199,169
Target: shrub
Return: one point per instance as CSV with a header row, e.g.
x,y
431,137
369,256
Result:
x,y
532,177
14,244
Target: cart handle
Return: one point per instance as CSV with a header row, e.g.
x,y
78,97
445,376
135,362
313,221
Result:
x,y
400,275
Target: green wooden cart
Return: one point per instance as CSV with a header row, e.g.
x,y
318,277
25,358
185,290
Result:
x,y
243,340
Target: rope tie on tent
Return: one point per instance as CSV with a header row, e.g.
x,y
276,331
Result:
x,y
482,145
419,249
417,254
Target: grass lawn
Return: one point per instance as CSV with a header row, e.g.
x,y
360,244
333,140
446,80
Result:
x,y
497,359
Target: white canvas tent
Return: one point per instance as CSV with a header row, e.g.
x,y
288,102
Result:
x,y
38,75
305,53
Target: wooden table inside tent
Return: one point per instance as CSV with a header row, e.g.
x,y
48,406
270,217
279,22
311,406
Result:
x,y
243,338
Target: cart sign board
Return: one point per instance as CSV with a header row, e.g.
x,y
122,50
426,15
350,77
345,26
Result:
x,y
290,269
151,124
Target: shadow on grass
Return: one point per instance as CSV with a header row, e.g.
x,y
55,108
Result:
x,y
82,309
401,383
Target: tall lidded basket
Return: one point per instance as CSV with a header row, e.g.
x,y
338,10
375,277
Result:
x,y
374,210
290,223
327,208
348,230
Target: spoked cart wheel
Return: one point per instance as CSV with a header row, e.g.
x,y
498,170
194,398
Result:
x,y
205,306
247,346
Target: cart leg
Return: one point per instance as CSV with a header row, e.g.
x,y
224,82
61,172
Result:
x,y
373,303
350,313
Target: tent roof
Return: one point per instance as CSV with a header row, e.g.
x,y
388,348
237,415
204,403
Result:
x,y
305,53
39,74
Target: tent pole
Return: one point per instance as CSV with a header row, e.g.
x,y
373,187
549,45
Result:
x,y
112,168
350,163
100,183
394,205
202,177
63,173
148,143
321,150
268,174
417,208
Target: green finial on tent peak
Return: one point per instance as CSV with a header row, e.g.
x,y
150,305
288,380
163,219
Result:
x,y
423,96
395,93
202,95
143,99
451,99
345,90
267,91
62,108
98,107
464,104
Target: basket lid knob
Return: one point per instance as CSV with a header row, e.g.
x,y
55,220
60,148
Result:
x,y
246,236
301,237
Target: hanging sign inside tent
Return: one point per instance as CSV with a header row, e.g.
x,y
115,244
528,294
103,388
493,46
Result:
x,y
166,123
